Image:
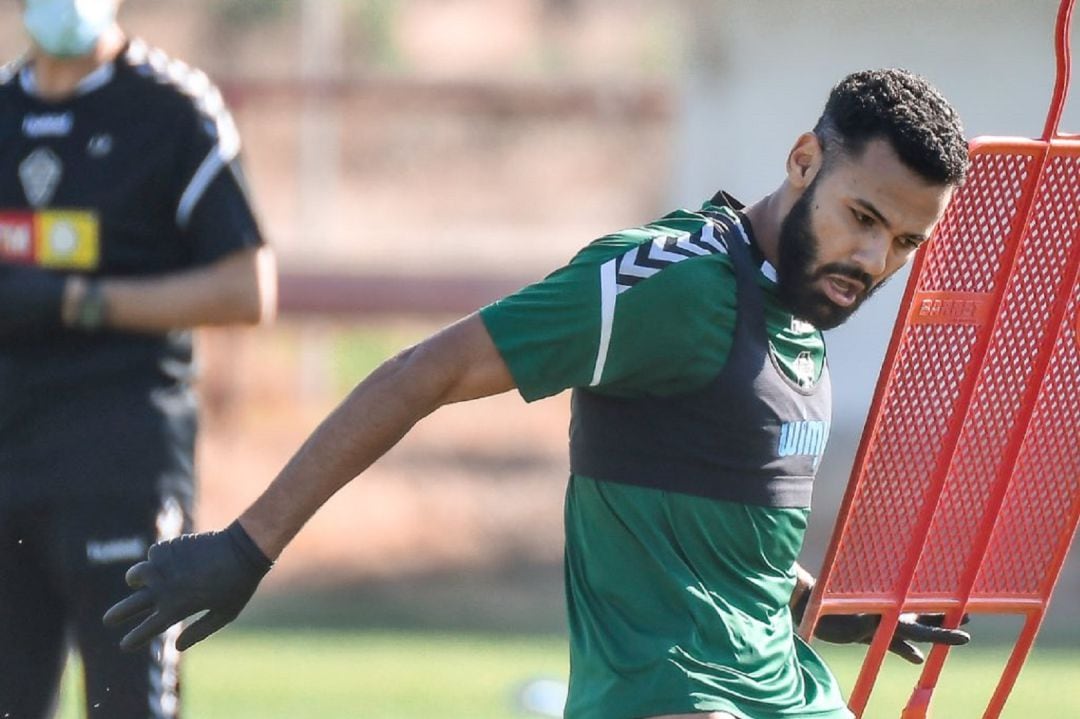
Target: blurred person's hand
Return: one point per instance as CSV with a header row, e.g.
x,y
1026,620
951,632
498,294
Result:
x,y
34,300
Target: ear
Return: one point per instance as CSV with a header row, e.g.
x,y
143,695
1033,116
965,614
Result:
x,y
805,160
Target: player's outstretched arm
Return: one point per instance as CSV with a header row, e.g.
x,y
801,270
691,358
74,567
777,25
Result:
x,y
217,572
459,363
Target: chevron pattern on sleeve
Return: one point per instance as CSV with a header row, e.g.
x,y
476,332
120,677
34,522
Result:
x,y
647,259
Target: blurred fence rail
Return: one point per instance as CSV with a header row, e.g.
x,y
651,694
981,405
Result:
x,y
325,294
597,101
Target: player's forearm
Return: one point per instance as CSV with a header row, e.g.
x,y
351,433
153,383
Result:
x,y
378,412
457,364
238,289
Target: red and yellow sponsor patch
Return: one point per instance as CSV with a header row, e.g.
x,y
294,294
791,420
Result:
x,y
55,239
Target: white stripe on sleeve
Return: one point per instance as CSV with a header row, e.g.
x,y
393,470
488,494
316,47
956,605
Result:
x,y
222,153
608,291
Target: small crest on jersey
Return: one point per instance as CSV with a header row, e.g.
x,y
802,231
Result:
x,y
56,124
804,369
99,145
40,175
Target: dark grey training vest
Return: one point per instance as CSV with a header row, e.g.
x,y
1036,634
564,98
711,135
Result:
x,y
751,435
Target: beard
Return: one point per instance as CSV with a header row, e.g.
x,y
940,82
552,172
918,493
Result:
x,y
797,274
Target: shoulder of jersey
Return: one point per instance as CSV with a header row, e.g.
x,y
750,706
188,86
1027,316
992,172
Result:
x,y
664,250
10,71
189,86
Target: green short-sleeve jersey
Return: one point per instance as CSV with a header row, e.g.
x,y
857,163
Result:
x,y
676,603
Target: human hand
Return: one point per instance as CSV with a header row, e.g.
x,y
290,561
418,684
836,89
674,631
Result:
x,y
216,572
860,629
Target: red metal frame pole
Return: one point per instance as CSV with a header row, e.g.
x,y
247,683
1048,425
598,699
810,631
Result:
x,y
1016,661
1064,68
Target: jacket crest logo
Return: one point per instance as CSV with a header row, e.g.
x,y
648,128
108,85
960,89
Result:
x,y
40,175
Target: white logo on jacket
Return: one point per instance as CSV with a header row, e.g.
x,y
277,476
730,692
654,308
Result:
x,y
57,124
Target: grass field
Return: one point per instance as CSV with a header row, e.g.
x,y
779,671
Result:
x,y
247,674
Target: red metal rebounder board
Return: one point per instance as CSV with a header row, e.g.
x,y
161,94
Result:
x,y
965,493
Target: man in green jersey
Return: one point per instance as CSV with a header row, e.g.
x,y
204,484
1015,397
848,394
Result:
x,y
700,413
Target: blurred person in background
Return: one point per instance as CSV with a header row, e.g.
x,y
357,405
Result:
x,y
700,413
124,223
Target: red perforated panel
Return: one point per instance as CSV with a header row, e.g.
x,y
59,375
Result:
x,y
926,380
909,439
998,402
1046,482
974,229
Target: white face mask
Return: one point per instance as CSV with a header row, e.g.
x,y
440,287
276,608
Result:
x,y
68,28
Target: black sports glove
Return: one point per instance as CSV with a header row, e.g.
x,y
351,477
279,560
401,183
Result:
x,y
30,300
214,571
860,629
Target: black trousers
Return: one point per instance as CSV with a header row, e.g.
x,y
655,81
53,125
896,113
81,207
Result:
x,y
62,565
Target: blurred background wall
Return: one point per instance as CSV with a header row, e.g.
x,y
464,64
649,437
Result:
x,y
412,159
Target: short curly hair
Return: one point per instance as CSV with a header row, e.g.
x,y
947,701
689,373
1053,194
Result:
x,y
903,108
